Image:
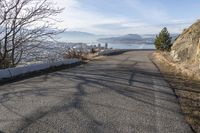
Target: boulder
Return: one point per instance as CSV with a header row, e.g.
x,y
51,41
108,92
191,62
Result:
x,y
186,47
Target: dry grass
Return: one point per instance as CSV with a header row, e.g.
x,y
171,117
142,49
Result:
x,y
84,56
188,70
72,53
186,86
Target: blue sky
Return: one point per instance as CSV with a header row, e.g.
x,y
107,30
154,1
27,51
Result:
x,y
128,16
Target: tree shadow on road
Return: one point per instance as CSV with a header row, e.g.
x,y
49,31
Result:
x,y
120,80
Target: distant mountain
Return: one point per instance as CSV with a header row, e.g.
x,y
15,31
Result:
x,y
127,39
77,36
80,37
85,37
174,36
148,36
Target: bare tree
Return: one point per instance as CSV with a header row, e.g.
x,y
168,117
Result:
x,y
24,24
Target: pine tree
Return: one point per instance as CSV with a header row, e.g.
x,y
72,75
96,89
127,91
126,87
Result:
x,y
163,40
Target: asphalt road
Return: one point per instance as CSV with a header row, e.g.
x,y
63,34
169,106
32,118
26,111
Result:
x,y
117,94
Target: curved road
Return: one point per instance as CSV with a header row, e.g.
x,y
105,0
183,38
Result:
x,y
117,94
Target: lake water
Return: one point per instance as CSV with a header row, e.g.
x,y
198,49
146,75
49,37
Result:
x,y
131,46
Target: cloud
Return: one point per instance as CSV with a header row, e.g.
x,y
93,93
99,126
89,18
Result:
x,y
111,26
76,17
149,10
120,25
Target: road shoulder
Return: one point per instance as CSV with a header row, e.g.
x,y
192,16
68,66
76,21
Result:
x,y
187,90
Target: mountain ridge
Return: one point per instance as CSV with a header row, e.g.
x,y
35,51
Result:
x,y
127,39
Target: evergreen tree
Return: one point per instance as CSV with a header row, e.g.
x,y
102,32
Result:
x,y
163,40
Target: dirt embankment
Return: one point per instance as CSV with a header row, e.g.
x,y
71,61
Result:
x,y
185,82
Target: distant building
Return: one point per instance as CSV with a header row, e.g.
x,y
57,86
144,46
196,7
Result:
x,y
106,45
99,45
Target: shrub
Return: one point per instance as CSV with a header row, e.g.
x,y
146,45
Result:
x,y
6,62
73,53
93,50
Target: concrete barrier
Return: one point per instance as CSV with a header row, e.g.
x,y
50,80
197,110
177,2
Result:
x,y
110,52
37,67
13,72
5,73
113,52
17,71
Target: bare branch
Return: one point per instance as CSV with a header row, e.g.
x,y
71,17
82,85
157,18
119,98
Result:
x,y
25,24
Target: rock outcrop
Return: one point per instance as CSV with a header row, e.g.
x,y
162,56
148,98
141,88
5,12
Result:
x,y
186,47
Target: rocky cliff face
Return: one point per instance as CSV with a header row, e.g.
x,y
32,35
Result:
x,y
186,47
